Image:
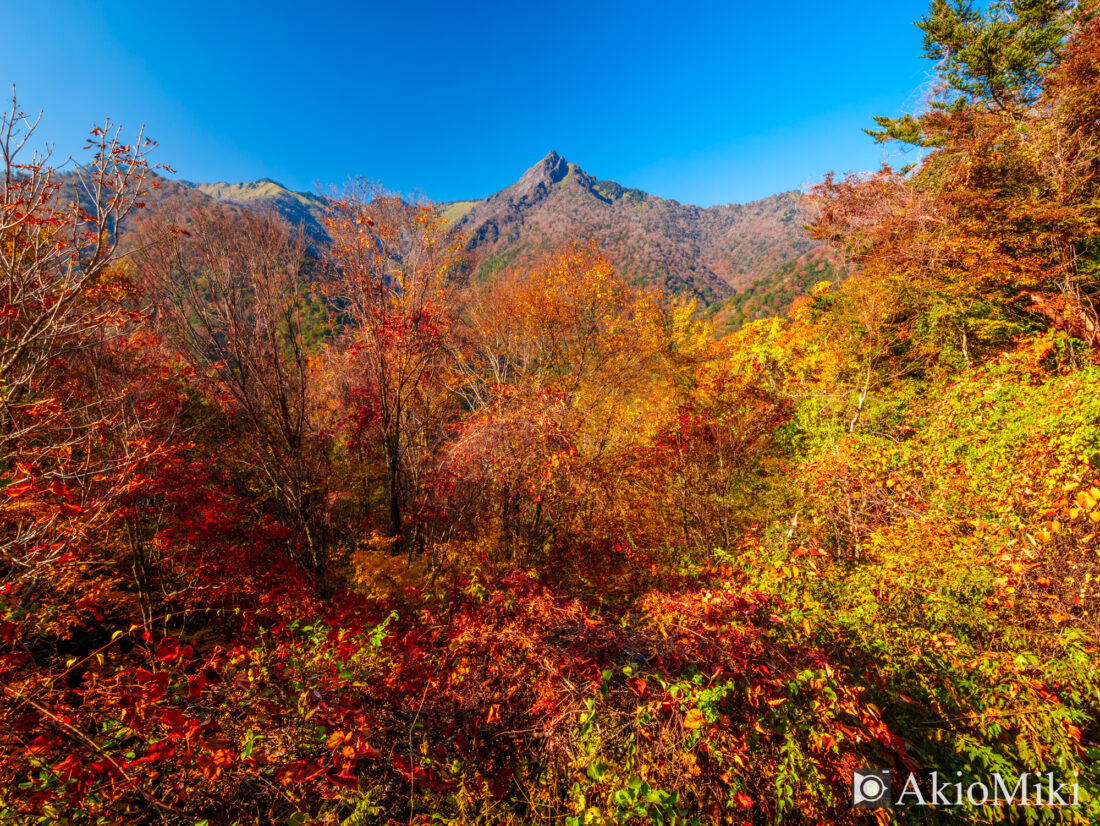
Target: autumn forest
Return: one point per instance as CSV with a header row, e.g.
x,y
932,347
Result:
x,y
341,527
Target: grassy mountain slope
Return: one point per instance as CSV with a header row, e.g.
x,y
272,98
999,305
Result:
x,y
301,208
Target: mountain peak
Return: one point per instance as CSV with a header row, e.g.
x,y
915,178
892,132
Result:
x,y
265,193
708,253
543,175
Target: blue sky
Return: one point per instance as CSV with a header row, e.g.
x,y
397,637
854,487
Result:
x,y
704,102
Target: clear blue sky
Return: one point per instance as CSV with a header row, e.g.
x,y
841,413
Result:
x,y
705,102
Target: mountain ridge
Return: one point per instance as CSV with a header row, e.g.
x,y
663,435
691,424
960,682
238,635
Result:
x,y
709,252
714,254
301,208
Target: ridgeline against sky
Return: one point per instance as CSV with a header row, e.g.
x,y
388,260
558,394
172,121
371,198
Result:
x,y
707,104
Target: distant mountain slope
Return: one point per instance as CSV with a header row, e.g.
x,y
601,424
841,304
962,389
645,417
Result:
x,y
742,260
299,208
161,192
772,294
712,253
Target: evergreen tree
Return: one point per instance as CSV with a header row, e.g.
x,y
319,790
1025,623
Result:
x,y
994,60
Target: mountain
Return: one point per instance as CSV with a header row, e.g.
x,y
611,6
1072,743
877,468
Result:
x,y
299,208
742,261
712,253
772,294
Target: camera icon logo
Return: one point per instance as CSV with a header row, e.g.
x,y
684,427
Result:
x,y
871,789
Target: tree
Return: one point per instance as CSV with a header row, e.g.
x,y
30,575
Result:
x,y
398,268
233,292
993,235
604,422
63,295
994,59
554,361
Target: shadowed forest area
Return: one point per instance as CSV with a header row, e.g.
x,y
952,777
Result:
x,y
325,531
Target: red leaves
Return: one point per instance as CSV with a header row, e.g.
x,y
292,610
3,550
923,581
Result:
x,y
153,685
158,752
169,649
19,489
513,657
420,776
299,771
195,685
743,801
172,718
70,768
43,743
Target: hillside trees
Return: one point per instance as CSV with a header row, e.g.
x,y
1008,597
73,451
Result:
x,y
939,512
993,235
70,446
556,365
398,269
233,292
605,424
962,260
58,252
943,525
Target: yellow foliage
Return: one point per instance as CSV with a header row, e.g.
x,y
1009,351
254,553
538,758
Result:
x,y
379,572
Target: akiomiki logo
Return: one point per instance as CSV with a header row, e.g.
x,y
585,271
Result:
x,y
874,789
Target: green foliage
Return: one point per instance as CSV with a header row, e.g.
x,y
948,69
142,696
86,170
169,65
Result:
x,y
994,58
773,294
906,129
998,56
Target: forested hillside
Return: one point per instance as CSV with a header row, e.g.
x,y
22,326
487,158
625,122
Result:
x,y
704,253
335,532
756,256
